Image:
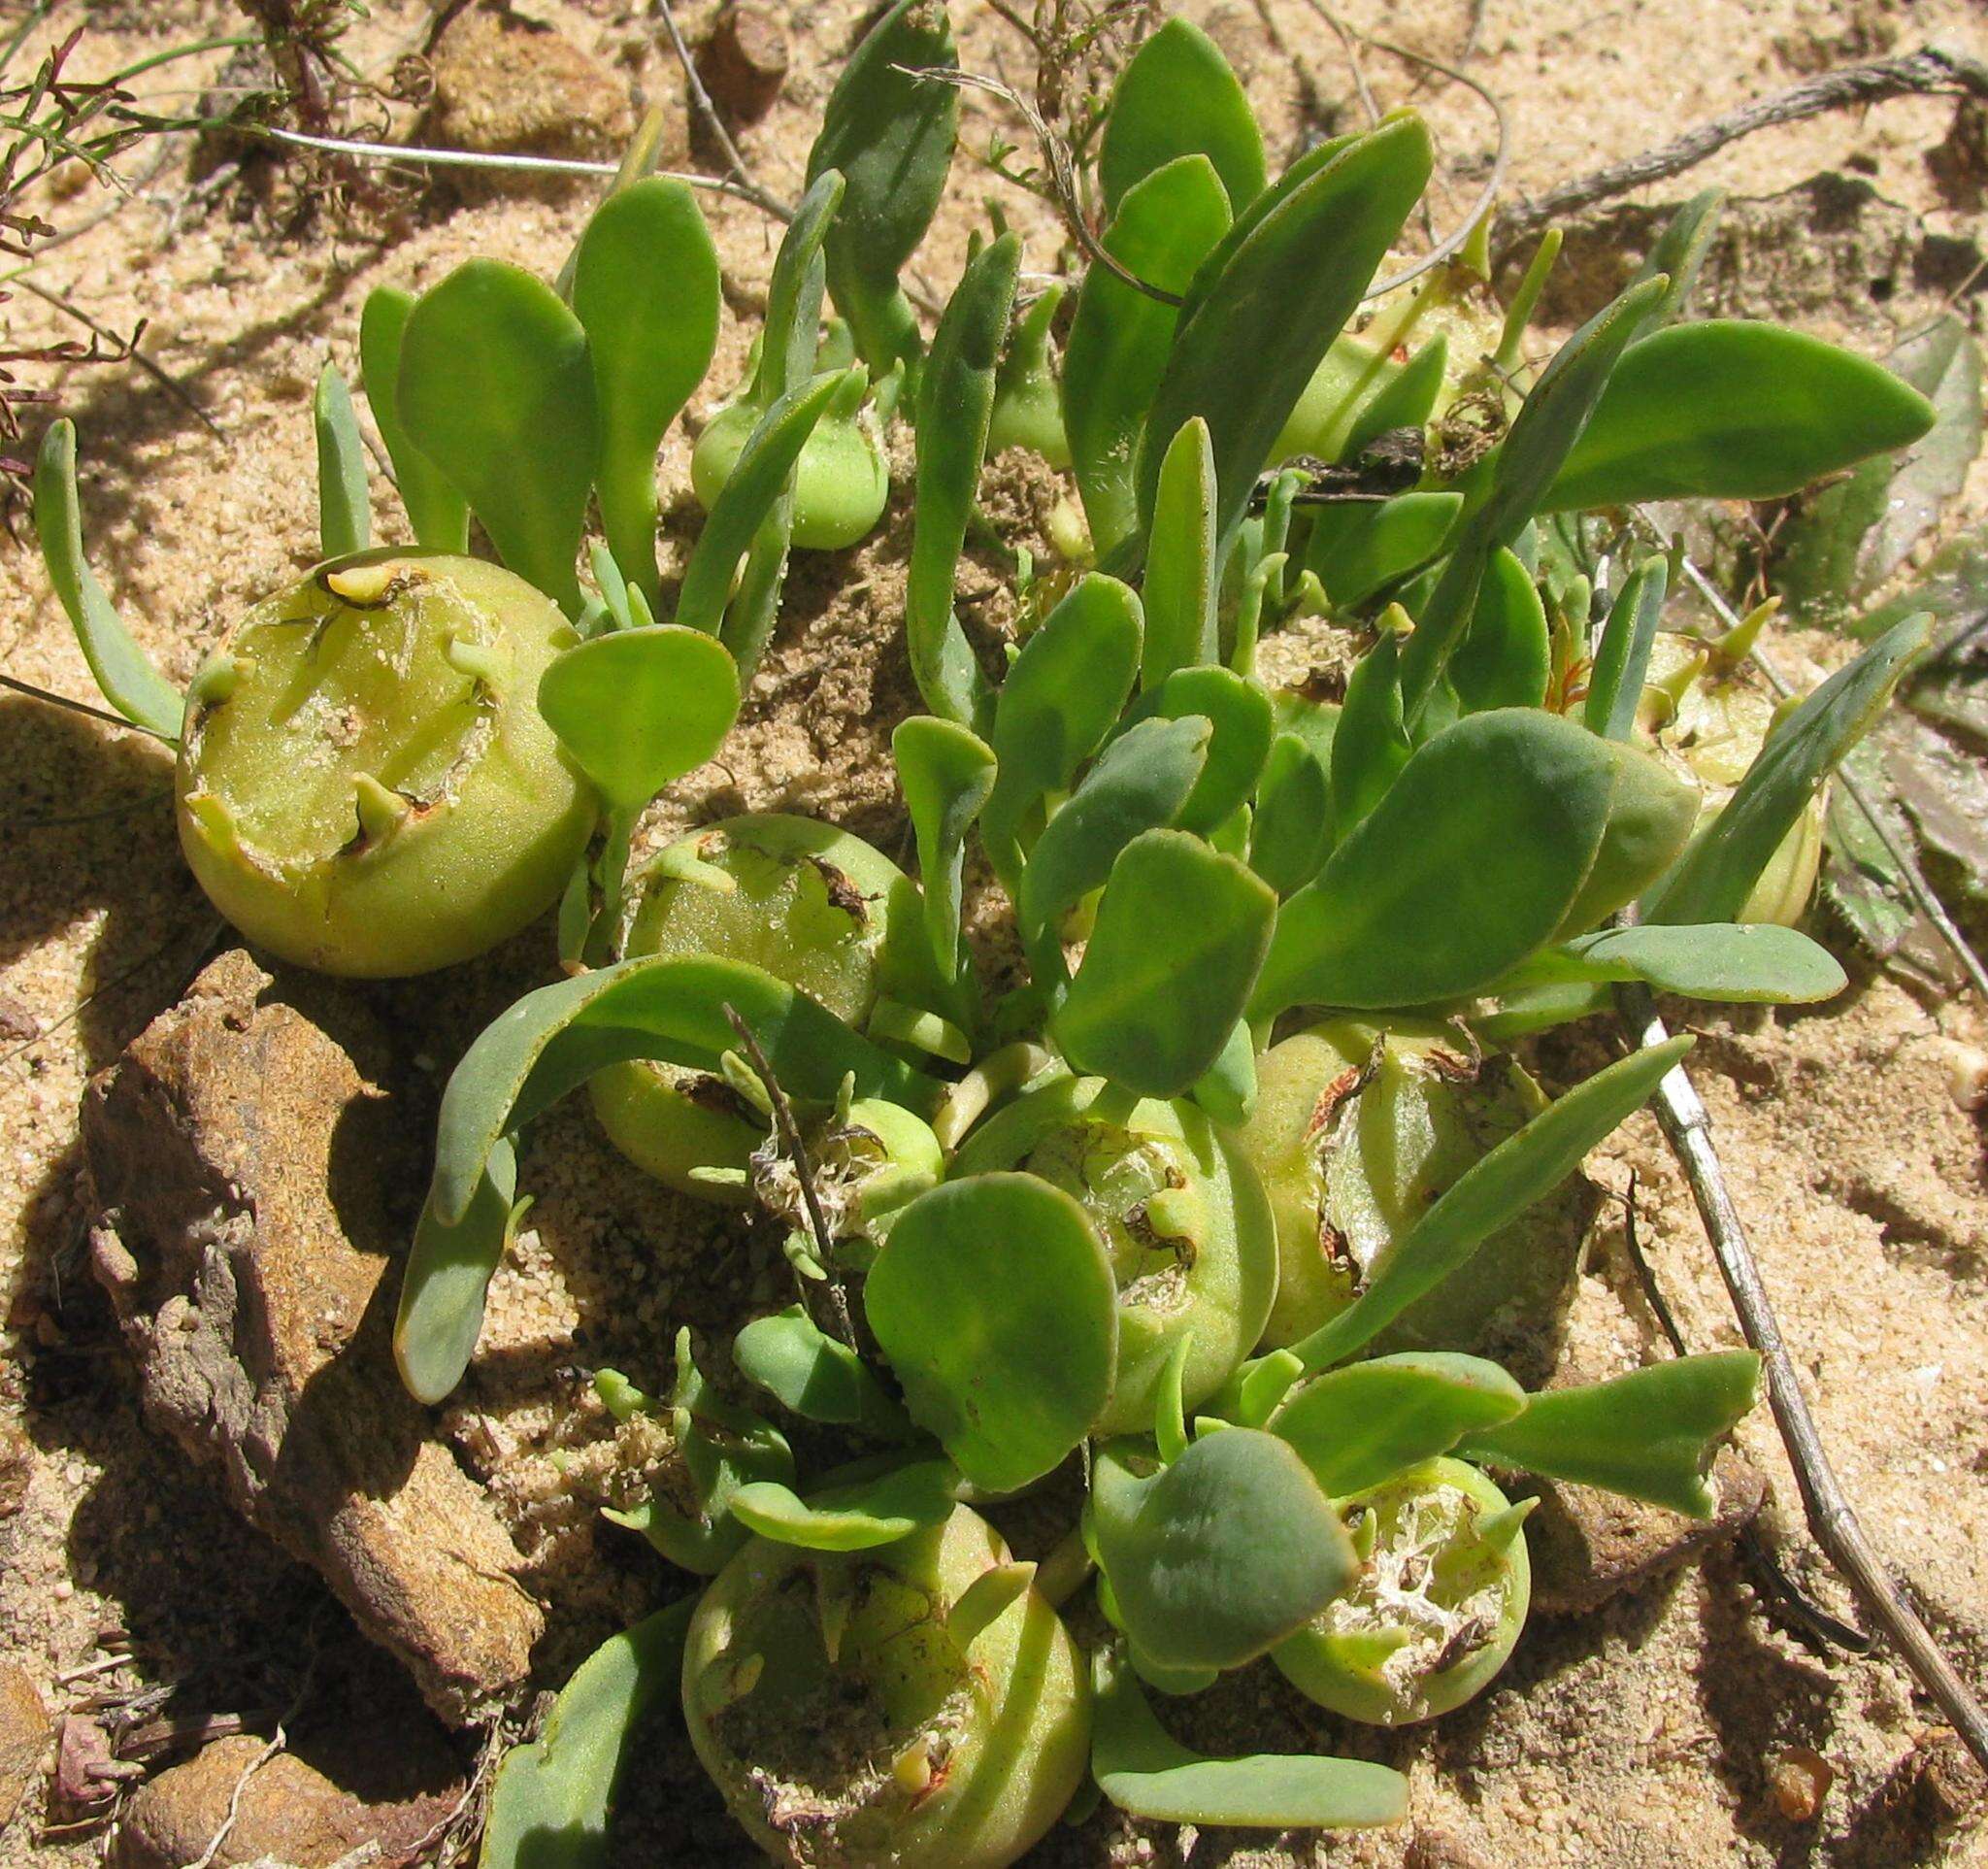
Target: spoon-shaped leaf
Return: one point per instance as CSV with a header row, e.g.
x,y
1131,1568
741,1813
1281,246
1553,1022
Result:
x,y
1507,659
757,480
1165,228
1370,746
1357,1426
1180,571
1622,660
815,1377
891,133
1240,715
1759,963
646,289
123,669
1469,863
1357,550
1139,783
345,502
496,388
1284,290
1731,410
435,508
1060,700
956,407
857,1517
551,1805
1291,832
1181,934
1177,96
995,1303
946,773
639,708
1214,1560
1143,1770
1492,1192
1721,865
1649,1434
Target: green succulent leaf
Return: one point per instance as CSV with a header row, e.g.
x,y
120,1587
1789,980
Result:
x,y
891,133
1652,814
1180,571
1721,865
1148,1773
1240,715
1288,282
947,774
1139,783
757,482
1759,963
1214,1560
553,1798
344,500
1371,744
1649,1434
994,1301
1358,549
669,1008
858,1516
1060,700
1291,833
1408,908
955,408
1181,931
1355,1427
1177,96
1732,410
1227,1088
436,510
1491,1193
817,1377
1545,431
639,708
1622,660
497,389
1406,400
645,290
1165,228
123,669
1506,657
1679,253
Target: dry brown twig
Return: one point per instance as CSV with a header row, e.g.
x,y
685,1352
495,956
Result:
x,y
1930,71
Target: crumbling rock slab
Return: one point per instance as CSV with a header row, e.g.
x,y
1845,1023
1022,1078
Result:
x,y
249,1182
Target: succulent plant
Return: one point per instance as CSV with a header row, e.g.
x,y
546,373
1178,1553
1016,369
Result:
x,y
1268,939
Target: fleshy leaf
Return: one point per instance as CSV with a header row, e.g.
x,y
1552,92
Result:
x,y
1358,549
1721,865
1154,1013
1623,658
123,669
858,1516
496,388
1240,714
1469,863
1214,1560
1180,571
1507,659
1177,96
956,407
1355,1427
435,508
1649,1434
946,773
553,1799
1149,1774
1727,409
1371,744
1759,963
1679,253
891,134
994,1300
639,708
815,1377
1291,833
345,502
646,289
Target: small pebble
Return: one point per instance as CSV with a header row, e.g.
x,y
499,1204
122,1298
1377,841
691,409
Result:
x,y
1801,1780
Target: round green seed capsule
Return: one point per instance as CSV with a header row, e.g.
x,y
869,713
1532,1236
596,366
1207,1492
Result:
x,y
920,1704
842,481
1355,1134
1182,1217
815,907
1443,1590
366,784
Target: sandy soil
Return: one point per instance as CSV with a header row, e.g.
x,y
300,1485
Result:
x,y
1648,1734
